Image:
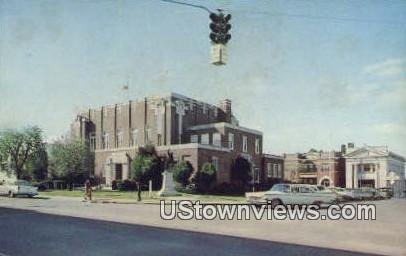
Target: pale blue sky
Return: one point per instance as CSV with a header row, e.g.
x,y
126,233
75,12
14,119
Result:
x,y
304,81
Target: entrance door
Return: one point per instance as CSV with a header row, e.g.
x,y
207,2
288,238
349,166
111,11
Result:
x,y
367,183
119,171
325,182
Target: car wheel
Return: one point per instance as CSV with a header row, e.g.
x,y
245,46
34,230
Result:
x,y
275,202
318,203
30,196
11,194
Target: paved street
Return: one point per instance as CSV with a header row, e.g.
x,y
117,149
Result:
x,y
32,227
30,233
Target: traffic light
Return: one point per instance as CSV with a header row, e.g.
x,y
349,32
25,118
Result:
x,y
220,27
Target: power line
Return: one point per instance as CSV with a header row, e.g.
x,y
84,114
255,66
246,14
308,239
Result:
x,y
292,15
315,17
188,4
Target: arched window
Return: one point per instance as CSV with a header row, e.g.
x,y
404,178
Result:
x,y
325,182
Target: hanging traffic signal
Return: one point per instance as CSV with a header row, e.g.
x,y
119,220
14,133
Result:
x,y
220,27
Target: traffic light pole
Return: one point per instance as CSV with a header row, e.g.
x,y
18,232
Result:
x,y
219,27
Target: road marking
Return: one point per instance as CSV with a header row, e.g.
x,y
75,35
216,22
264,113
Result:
x,y
2,254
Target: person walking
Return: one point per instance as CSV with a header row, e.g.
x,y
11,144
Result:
x,y
88,190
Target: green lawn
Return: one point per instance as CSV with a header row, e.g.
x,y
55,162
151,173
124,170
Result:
x,y
98,194
126,195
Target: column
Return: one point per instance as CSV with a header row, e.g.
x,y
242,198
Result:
x,y
125,171
109,172
356,176
180,110
159,112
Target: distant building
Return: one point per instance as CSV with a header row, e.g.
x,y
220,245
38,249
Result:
x,y
194,131
273,169
315,167
375,166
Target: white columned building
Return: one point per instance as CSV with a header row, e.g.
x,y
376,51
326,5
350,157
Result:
x,y
377,167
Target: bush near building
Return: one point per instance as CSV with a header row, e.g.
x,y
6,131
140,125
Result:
x,y
204,178
241,172
181,172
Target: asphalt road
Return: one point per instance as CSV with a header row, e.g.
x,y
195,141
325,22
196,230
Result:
x,y
31,233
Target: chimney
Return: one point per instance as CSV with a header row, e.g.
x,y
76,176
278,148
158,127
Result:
x,y
343,149
225,107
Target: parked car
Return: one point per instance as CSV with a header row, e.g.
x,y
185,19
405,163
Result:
x,y
344,193
386,193
302,194
367,194
19,187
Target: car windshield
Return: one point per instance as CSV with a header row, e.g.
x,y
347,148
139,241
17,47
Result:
x,y
22,183
281,188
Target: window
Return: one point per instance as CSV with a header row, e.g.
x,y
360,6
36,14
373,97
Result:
x,y
304,190
194,138
325,167
275,170
244,144
217,139
119,139
105,141
134,137
185,157
231,141
256,175
269,169
281,188
92,142
215,162
369,168
159,138
257,146
205,139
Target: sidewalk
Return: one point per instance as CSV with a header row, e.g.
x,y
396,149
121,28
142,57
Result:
x,y
157,200
386,235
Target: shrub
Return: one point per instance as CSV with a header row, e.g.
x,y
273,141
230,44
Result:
x,y
189,189
241,171
114,185
204,178
126,185
229,189
181,172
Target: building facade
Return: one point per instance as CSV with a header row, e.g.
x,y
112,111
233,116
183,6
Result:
x,y
192,130
315,167
273,170
375,166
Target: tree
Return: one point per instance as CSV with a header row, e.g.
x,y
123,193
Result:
x,y
241,171
20,146
146,166
37,165
181,172
204,178
71,161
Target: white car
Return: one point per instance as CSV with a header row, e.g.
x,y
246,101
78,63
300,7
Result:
x,y
302,194
345,194
18,187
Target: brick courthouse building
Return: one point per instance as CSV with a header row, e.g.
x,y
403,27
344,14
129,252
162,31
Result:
x,y
194,131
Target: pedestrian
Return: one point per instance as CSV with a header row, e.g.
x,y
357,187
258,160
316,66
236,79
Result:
x,y
88,190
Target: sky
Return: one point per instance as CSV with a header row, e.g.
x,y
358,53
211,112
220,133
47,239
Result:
x,y
308,74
